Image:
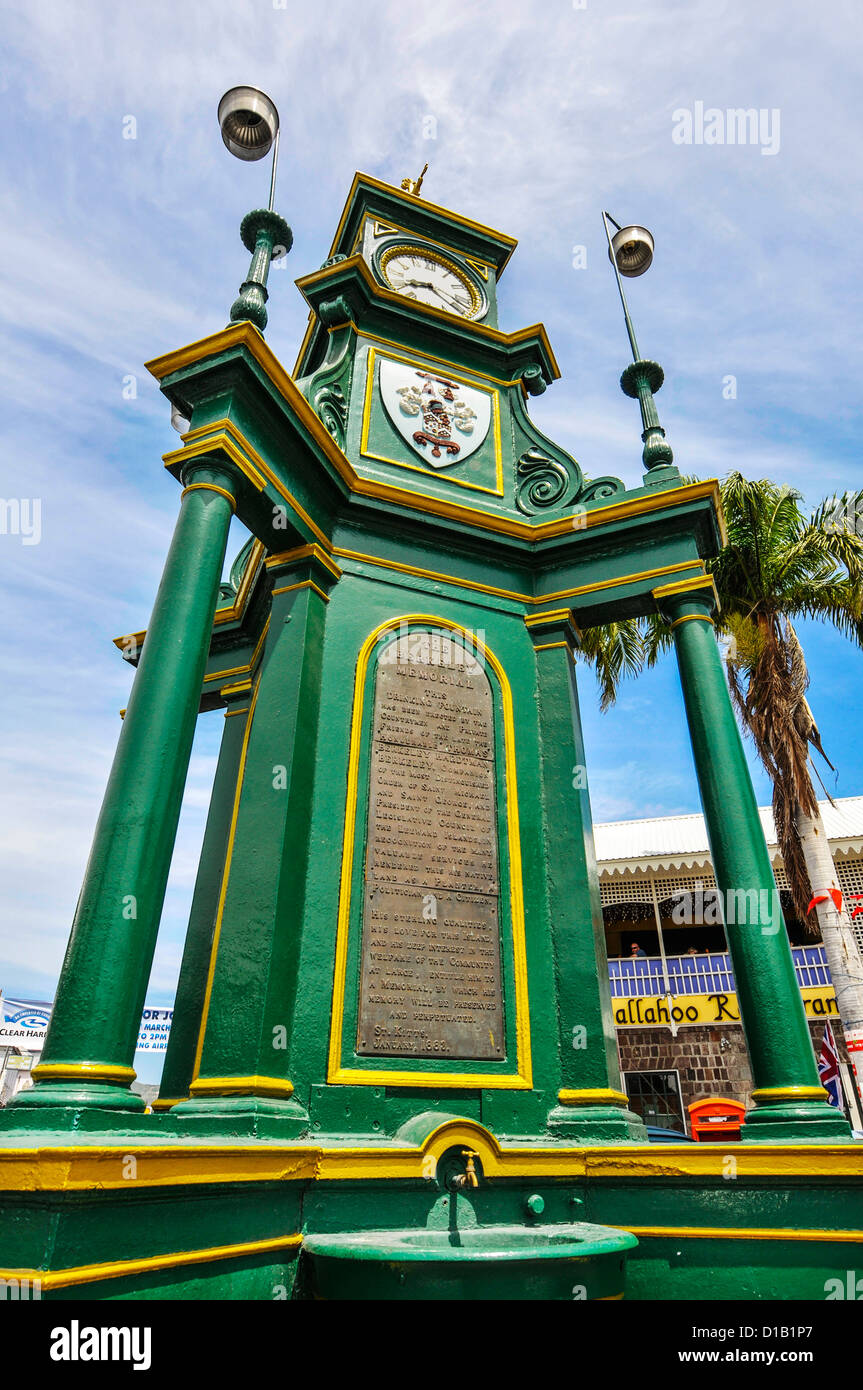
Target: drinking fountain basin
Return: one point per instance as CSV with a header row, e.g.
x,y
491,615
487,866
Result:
x,y
571,1262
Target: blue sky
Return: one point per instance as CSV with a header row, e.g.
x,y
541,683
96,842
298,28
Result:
x,y
117,249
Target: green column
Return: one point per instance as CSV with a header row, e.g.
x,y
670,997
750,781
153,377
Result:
x,y
591,1105
87,1059
789,1102
242,1080
191,987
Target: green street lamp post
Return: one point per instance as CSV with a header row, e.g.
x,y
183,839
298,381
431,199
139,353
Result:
x,y
630,251
249,123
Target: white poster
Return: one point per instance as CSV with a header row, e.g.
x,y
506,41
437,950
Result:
x,y
23,1024
155,1027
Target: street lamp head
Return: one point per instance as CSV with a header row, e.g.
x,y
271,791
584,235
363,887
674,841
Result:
x,y
249,122
633,250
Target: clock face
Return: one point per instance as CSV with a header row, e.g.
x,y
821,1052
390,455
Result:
x,y
430,278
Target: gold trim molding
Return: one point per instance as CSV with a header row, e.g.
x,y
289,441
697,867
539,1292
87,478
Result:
x,y
50,1279
337,1072
245,335
494,427
87,1167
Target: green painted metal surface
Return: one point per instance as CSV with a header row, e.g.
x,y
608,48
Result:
x,y
577,1262
779,1043
361,532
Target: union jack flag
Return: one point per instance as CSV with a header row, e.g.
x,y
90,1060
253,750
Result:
x,y
828,1068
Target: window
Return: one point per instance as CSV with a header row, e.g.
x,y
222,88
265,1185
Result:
x,y
655,1096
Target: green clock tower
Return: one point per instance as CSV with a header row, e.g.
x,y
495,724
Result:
x,y
393,1054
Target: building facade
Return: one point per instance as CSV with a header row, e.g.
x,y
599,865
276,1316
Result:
x,y
659,895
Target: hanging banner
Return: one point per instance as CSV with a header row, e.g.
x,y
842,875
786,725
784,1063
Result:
x,y
23,1024
155,1027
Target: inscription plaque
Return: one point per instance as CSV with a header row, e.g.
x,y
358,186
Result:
x,y
430,983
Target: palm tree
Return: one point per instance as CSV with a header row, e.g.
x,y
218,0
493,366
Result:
x,y
778,566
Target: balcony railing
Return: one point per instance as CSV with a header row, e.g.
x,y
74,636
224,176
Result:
x,y
710,973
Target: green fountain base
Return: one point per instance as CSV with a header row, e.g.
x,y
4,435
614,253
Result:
x,y
164,1216
577,1262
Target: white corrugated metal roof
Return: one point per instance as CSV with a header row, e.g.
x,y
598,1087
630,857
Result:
x,y
681,841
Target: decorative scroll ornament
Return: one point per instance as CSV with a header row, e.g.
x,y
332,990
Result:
x,y
543,482
441,420
332,407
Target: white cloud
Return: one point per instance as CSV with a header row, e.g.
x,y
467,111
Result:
x,y
113,250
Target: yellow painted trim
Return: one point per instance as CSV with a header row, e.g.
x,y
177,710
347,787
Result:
x,y
97,1167
211,487
241,1085
136,638
337,1074
215,439
739,1233
478,299
410,201
246,335
229,850
426,356
118,1269
303,584
226,435
548,646
421,573
481,267
250,665
633,578
496,491
85,1167
82,1071
556,615
382,229
595,1096
688,586
304,552
230,671
233,713
238,688
237,608
161,1103
691,618
222,615
379,291
497,592
790,1093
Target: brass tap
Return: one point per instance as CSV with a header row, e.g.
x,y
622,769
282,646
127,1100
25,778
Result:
x,y
469,1177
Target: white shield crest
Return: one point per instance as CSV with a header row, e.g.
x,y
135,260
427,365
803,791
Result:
x,y
442,420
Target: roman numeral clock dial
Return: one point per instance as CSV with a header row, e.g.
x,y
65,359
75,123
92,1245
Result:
x,y
430,278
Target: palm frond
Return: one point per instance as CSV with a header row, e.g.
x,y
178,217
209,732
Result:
x,y
615,651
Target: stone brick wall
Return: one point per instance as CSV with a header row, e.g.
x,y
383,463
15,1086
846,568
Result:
x,y
711,1061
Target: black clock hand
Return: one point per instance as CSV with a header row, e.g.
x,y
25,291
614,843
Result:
x,y
458,304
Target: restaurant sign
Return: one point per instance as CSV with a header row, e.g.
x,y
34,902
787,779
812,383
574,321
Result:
x,y
691,1010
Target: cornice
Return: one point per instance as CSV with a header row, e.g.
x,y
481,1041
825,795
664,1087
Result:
x,y
354,274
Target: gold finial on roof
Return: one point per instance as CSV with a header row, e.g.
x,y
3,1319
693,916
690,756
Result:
x,y
414,185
